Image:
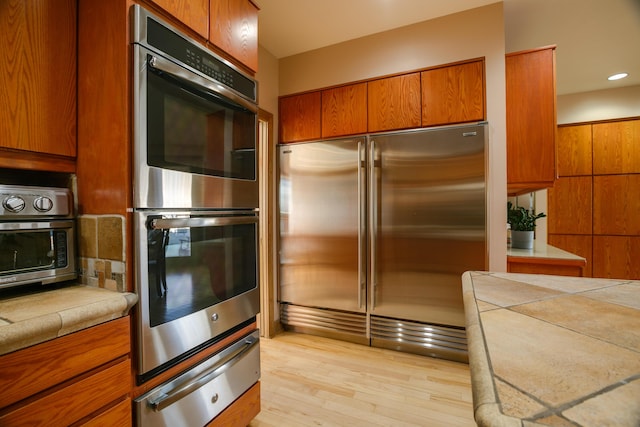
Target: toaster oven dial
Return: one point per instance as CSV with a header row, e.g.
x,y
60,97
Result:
x,y
43,204
13,203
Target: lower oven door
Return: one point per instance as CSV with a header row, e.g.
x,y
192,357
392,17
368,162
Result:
x,y
196,277
200,394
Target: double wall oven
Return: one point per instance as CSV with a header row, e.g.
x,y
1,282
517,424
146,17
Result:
x,y
196,223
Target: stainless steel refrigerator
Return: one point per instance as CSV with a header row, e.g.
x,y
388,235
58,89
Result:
x,y
375,233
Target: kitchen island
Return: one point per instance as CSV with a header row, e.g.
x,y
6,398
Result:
x,y
552,350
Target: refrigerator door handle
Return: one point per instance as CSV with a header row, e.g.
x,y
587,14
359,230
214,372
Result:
x,y
362,283
373,220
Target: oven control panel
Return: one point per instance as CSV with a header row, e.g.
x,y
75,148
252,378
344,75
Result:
x,y
24,201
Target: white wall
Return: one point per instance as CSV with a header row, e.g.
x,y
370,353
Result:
x,y
268,87
599,105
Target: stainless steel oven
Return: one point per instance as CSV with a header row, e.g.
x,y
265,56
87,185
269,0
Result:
x,y
195,123
197,276
37,235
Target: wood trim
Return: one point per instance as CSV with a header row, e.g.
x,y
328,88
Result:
x,y
624,119
537,49
31,160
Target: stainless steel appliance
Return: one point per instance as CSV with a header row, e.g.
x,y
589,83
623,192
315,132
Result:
x,y
196,222
375,233
37,235
195,123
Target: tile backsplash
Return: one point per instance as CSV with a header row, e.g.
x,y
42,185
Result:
x,y
101,252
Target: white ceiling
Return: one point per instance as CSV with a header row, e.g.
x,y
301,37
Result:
x,y
594,38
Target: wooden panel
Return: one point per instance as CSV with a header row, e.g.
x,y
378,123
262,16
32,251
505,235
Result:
x,y
117,416
242,411
33,369
38,76
193,13
394,103
569,206
574,150
531,119
344,110
453,94
75,401
234,29
579,245
104,108
616,257
300,117
616,147
616,204
535,266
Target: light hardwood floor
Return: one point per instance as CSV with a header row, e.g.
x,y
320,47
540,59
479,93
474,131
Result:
x,y
313,381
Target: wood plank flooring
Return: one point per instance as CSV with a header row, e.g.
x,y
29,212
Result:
x,y
314,381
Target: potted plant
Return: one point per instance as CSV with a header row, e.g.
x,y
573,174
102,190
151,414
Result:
x,y
523,223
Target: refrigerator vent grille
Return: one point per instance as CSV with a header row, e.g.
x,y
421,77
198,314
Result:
x,y
329,323
420,338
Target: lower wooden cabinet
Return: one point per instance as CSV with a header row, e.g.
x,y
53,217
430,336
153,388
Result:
x,y
616,257
581,245
82,378
552,266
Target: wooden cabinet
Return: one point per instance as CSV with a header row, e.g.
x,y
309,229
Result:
x,y
344,110
616,257
300,117
193,13
38,84
531,120
394,103
84,377
453,94
616,204
557,267
234,28
574,150
570,206
616,147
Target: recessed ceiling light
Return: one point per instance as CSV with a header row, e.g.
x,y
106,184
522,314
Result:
x,y
617,76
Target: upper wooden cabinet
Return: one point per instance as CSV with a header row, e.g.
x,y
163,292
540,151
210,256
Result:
x,y
344,110
234,29
394,103
574,150
229,25
193,13
300,117
38,83
616,147
531,120
453,94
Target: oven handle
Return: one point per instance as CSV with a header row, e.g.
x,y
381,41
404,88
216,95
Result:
x,y
207,376
164,223
192,78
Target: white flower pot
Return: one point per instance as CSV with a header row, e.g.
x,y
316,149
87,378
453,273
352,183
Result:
x,y
522,239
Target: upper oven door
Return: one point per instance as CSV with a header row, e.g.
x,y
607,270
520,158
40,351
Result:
x,y
194,139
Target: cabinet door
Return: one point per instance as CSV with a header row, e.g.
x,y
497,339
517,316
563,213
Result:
x,y
569,205
576,244
234,29
193,13
344,110
531,120
394,103
574,150
38,76
616,147
453,94
616,257
300,117
616,205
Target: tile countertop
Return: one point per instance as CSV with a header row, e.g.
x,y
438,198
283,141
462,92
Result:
x,y
32,317
552,350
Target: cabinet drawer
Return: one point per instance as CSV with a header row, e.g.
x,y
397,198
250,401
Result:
x,y
33,369
117,416
75,401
